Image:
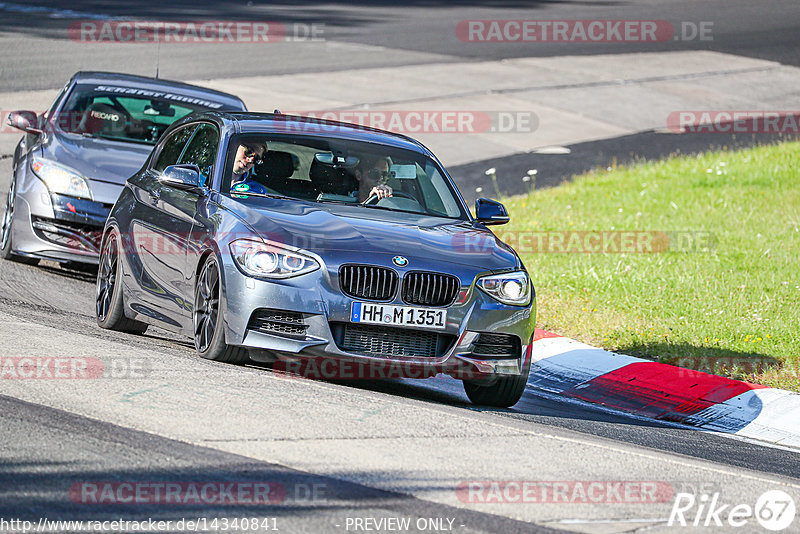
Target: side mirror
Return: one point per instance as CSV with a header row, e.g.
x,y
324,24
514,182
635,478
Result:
x,y
490,212
185,177
25,121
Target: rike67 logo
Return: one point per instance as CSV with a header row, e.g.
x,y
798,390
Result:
x,y
774,510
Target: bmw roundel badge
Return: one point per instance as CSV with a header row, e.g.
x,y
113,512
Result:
x,y
400,261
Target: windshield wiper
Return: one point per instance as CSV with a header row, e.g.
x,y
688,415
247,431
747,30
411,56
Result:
x,y
387,208
334,201
113,138
373,206
124,139
360,205
262,195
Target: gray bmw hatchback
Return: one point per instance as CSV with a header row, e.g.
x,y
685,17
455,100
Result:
x,y
325,249
72,163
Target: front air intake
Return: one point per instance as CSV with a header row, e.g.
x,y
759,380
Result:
x,y
492,346
368,282
430,289
278,322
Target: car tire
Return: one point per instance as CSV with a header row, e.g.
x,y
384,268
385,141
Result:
x,y
503,393
6,233
208,321
109,306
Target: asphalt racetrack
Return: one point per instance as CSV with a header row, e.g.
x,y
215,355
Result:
x,y
316,456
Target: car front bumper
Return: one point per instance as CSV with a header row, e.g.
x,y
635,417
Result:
x,y
311,321
57,227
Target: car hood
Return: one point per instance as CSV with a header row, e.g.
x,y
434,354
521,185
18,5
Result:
x,y
100,160
327,228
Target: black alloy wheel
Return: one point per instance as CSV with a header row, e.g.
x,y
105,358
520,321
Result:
x,y
106,278
206,306
208,320
109,304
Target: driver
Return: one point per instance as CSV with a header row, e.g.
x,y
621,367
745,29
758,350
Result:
x,y
371,173
247,155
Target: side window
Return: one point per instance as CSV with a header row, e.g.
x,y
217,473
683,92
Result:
x,y
202,150
172,149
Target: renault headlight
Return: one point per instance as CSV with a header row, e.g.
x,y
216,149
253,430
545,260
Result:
x,y
267,260
509,288
61,179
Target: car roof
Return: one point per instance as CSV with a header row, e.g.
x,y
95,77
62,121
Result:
x,y
250,122
158,84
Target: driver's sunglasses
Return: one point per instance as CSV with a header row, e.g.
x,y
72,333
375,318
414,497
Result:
x,y
375,174
250,153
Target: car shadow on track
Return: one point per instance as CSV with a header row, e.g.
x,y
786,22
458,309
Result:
x,y
104,472
444,390
75,271
407,388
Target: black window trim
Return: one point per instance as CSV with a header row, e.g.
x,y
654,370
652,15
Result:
x,y
161,144
199,124
189,141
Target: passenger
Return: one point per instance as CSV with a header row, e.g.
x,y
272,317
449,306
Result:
x,y
371,173
247,155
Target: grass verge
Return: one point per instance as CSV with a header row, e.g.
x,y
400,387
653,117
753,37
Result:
x,y
691,261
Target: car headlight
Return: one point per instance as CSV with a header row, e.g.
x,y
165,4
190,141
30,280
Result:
x,y
266,260
509,288
61,179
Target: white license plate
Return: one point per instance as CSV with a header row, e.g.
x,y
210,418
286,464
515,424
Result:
x,y
387,314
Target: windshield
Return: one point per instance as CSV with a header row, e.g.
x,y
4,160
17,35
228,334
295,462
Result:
x,y
125,114
326,170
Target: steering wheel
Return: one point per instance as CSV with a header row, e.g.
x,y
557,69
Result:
x,y
373,198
